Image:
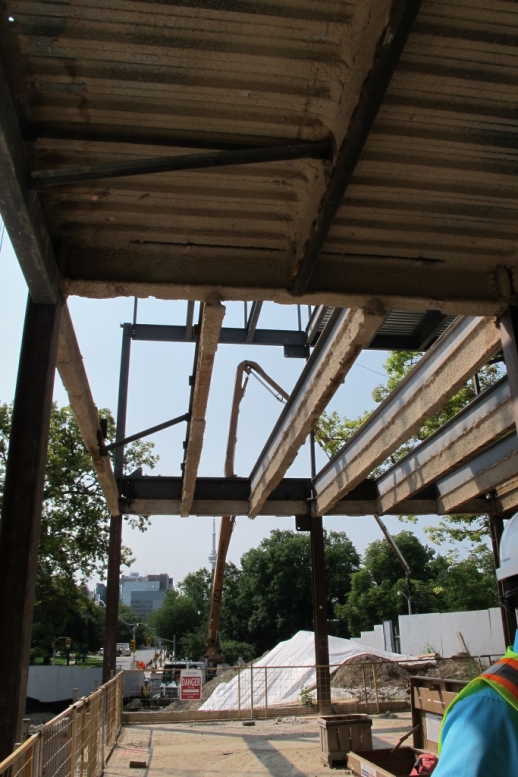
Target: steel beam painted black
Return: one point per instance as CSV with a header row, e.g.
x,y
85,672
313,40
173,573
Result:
x,y
167,164
402,17
228,336
34,131
253,319
287,338
21,210
21,510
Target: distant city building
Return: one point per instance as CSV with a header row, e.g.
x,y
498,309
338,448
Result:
x,y
213,555
100,593
144,594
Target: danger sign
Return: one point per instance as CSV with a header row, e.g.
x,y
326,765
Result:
x,y
190,684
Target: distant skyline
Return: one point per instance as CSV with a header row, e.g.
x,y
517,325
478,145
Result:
x,y
159,389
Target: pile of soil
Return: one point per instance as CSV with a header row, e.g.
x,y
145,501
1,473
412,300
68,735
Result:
x,y
393,679
388,673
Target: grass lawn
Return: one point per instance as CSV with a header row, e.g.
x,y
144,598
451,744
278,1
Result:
x,y
91,661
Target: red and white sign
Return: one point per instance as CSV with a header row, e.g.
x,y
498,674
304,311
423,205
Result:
x,y
190,684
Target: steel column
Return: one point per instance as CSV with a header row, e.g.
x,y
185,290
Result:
x,y
21,509
496,527
122,404
112,597
509,336
318,586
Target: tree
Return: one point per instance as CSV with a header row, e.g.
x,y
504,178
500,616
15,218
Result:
x,y
177,617
270,599
75,521
439,583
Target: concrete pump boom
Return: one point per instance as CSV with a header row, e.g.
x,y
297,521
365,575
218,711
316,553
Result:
x,y
212,648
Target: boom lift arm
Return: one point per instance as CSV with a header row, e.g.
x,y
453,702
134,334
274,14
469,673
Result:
x,y
244,370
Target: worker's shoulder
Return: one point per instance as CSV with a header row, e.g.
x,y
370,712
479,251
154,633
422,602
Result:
x,y
485,706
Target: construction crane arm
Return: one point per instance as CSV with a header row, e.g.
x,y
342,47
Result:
x,y
246,368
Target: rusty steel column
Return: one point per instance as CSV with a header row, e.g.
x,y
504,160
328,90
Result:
x,y
508,324
318,584
112,598
21,510
496,526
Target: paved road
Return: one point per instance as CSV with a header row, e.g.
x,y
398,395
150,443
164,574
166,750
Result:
x,y
145,655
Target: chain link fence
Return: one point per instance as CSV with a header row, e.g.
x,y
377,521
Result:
x,y
75,743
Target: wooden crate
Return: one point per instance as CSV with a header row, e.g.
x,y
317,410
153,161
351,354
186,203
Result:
x,y
430,698
339,734
383,762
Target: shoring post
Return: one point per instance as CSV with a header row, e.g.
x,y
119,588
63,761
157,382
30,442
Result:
x,y
21,509
111,612
239,693
251,690
375,686
320,616
365,689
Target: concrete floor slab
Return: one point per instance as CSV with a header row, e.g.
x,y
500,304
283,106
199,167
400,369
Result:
x,y
287,747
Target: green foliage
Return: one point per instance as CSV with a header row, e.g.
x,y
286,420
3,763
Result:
x,y
127,617
306,698
270,599
64,609
177,616
74,530
439,583
267,600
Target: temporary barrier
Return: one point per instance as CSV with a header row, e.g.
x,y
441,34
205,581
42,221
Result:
x,y
76,743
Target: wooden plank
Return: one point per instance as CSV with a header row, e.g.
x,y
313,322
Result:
x,y
73,374
212,320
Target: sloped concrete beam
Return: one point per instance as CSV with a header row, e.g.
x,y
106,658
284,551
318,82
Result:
x,y
346,334
212,320
465,347
73,374
484,420
496,465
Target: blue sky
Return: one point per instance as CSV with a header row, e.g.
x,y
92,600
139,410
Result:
x,y
159,390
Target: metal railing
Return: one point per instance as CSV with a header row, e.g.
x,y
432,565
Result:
x,y
75,743
261,691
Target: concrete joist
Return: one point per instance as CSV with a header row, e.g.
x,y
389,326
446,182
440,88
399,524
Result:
x,y
347,332
212,320
467,345
73,374
484,420
494,466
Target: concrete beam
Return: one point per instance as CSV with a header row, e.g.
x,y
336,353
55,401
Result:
x,y
212,320
73,374
484,420
481,475
21,210
346,334
465,347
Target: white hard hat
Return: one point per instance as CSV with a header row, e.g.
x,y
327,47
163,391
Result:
x,y
509,550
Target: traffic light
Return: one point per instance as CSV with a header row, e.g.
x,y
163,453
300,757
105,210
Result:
x,y
68,643
133,645
148,641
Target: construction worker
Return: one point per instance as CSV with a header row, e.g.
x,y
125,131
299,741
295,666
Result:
x,y
479,734
145,694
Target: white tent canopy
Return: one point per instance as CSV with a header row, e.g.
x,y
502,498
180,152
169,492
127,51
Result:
x,y
279,676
